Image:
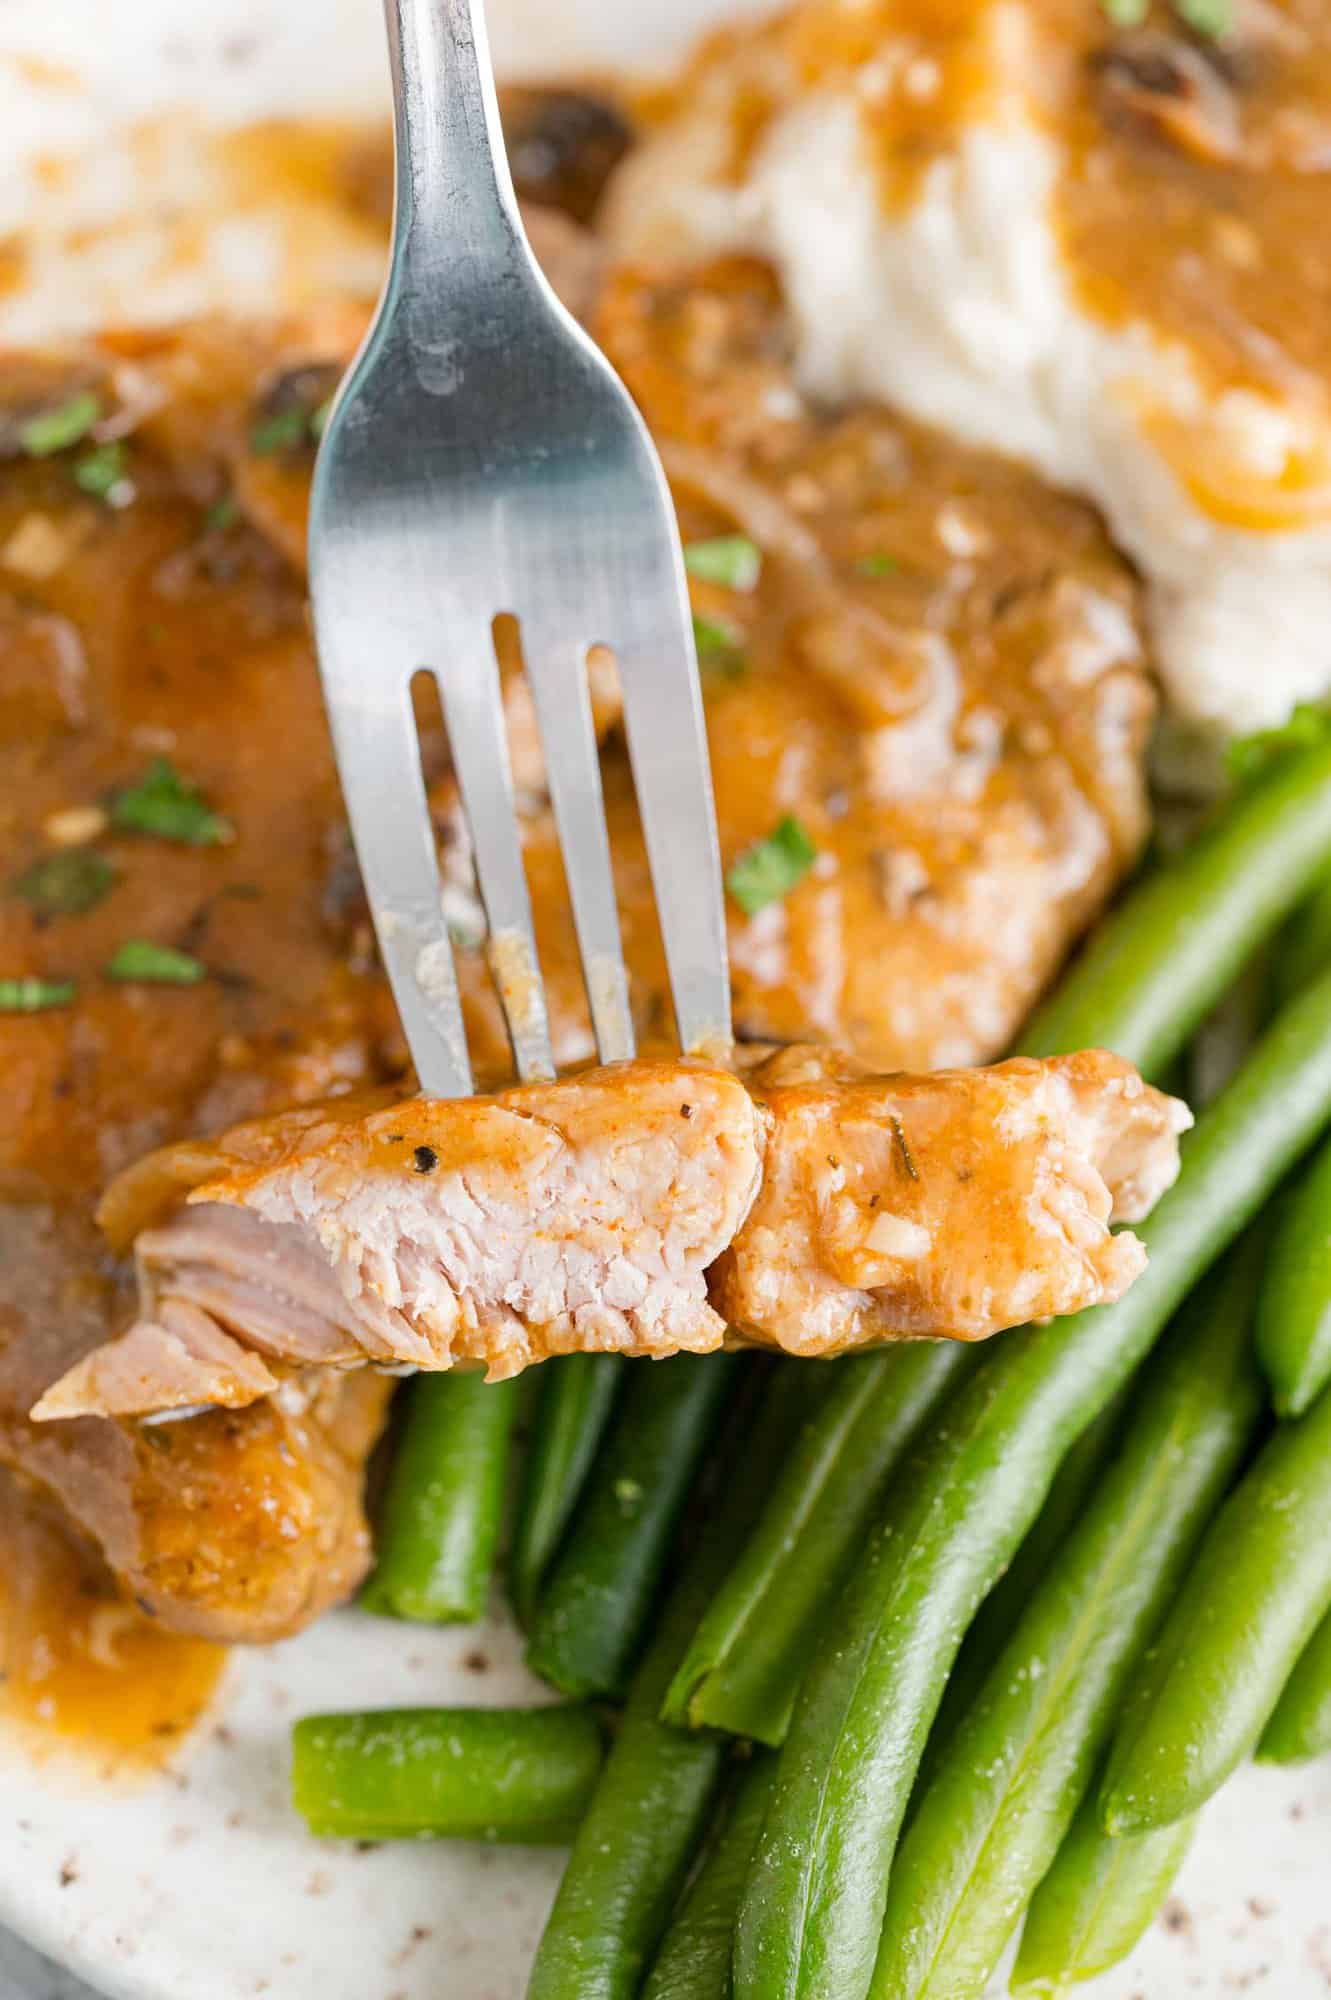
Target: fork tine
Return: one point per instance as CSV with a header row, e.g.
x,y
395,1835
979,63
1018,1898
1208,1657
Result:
x,y
667,739
474,716
380,766
557,675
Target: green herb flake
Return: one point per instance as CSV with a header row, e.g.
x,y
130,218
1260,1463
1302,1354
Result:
x,y
1211,18
139,959
35,996
731,560
55,430
319,418
877,565
104,473
720,645
770,869
222,513
1126,13
66,884
1251,757
285,430
162,804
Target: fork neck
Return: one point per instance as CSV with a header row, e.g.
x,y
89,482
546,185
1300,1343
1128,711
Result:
x,y
455,198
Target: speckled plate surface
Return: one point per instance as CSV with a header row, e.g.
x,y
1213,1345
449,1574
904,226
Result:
x,y
198,1881
201,1883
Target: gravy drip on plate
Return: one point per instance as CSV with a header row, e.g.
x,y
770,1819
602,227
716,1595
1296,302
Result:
x,y
80,1666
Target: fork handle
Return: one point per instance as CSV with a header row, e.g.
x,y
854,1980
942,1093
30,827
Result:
x,y
455,202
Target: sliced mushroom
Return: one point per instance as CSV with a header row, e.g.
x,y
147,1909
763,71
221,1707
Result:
x,y
1172,91
563,146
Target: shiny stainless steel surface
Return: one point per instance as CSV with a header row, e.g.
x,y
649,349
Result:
x,y
483,458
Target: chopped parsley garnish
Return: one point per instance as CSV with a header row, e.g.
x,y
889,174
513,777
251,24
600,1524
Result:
x,y
285,430
66,884
877,565
293,411
1251,757
155,964
720,644
731,560
1213,18
102,471
164,805
34,996
289,429
222,512
769,870
55,430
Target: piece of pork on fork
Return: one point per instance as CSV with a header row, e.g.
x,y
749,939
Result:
x,y
483,460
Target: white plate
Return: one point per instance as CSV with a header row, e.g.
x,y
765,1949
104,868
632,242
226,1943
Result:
x,y
199,1881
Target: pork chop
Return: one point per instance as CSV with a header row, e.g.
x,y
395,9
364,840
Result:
x,y
141,634
646,1208
937,672
153,647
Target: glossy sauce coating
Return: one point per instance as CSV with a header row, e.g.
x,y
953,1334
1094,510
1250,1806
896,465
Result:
x,y
80,1666
1192,186
938,674
170,624
160,628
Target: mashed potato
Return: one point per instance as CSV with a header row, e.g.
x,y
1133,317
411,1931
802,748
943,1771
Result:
x,y
955,193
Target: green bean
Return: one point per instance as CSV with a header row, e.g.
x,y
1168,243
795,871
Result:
x,y
596,1604
1257,1592
694,1962
443,1505
813,1908
659,1785
1305,943
1228,1032
1176,942
572,1411
1095,1903
1294,1313
743,1669
1301,1725
1002,1610
499,1774
1007,1788
1294,1318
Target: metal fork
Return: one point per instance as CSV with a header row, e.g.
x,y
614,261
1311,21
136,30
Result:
x,y
481,458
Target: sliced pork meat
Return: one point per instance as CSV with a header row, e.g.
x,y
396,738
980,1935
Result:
x,y
955,1204
233,1524
644,1208
483,1231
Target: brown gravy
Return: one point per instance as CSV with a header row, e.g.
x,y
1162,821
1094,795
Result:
x,y
1192,194
80,1667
